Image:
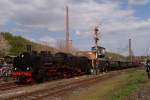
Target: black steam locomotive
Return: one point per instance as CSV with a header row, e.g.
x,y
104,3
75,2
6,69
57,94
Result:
x,y
44,66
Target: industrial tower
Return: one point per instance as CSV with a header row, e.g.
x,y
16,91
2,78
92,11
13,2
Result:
x,y
67,30
130,50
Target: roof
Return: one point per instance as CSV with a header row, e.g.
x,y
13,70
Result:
x,y
98,47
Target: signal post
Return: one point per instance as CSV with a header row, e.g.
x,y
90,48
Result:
x,y
97,52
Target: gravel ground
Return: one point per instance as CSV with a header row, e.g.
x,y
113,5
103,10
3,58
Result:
x,y
37,87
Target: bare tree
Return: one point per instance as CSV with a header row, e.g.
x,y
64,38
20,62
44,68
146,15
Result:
x,y
4,46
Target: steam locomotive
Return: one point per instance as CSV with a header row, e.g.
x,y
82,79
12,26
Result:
x,y
44,66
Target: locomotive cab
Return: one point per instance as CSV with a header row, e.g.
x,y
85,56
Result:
x,y
100,51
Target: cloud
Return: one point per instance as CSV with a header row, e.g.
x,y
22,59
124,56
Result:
x,y
47,41
116,22
138,2
44,13
4,11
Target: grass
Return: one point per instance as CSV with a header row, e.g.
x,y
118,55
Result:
x,y
129,85
116,88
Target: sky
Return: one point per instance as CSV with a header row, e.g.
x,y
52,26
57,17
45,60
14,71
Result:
x,y
43,21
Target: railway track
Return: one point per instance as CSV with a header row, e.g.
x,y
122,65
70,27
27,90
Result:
x,y
61,88
7,85
48,90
